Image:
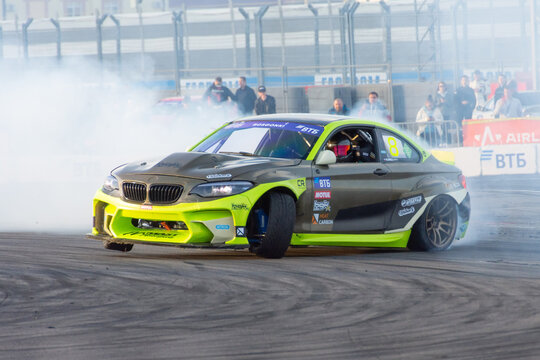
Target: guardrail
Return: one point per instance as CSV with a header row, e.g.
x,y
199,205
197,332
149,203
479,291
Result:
x,y
444,133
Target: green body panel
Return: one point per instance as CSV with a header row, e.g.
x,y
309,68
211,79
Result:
x,y
394,240
116,216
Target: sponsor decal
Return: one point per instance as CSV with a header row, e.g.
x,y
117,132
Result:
x,y
323,194
361,78
323,205
411,201
509,159
152,234
223,227
218,176
240,231
146,207
502,132
406,211
322,183
505,160
301,183
303,128
239,207
307,129
321,219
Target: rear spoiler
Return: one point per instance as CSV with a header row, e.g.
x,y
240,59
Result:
x,y
446,157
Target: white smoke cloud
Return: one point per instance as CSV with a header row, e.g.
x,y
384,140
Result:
x,y
62,129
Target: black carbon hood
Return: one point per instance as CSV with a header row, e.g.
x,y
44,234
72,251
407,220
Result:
x,y
197,165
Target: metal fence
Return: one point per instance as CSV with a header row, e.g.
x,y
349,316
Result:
x,y
439,134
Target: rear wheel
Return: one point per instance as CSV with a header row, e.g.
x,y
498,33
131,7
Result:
x,y
118,247
436,228
270,225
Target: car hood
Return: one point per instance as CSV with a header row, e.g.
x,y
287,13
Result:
x,y
197,165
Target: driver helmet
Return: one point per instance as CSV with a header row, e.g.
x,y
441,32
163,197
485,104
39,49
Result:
x,y
342,147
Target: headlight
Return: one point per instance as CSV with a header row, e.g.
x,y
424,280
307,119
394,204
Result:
x,y
110,184
221,188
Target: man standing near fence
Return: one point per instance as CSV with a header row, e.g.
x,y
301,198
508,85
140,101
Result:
x,y
217,93
265,104
245,97
373,109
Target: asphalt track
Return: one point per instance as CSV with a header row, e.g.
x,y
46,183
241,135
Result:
x,y
65,297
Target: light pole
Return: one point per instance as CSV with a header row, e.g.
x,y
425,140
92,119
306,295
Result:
x,y
534,34
141,32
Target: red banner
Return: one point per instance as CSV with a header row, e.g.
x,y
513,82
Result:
x,y
483,132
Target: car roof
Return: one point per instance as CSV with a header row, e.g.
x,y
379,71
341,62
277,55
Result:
x,y
314,119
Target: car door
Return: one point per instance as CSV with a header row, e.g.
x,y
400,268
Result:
x,y
351,197
406,173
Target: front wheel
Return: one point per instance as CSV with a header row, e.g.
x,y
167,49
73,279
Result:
x,y
436,228
271,225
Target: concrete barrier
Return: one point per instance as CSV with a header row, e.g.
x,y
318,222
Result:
x,y
497,160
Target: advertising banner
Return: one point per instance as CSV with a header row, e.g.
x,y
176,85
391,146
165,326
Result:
x,y
512,159
484,132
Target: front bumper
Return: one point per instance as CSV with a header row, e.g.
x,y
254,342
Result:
x,y
216,223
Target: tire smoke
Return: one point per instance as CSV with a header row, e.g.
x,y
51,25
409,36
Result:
x,y
63,128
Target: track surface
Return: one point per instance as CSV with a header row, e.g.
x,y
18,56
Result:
x,y
65,297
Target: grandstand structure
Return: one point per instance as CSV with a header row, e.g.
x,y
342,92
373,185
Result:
x,y
184,44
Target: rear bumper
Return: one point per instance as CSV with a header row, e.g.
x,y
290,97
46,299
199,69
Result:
x,y
464,213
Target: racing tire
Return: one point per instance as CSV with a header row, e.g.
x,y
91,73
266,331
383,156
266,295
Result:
x,y
281,217
436,228
118,247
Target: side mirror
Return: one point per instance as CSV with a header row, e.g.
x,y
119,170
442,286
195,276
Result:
x,y
326,157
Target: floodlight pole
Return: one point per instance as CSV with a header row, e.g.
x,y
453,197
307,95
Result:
x,y
25,36
56,24
259,41
317,58
99,23
247,39
352,52
178,48
118,42
534,45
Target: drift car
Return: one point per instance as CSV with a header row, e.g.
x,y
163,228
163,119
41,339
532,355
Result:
x,y
273,181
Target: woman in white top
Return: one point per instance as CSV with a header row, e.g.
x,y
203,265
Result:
x,y
430,119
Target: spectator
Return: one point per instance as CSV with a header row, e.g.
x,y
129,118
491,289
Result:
x,y
339,108
444,101
479,87
508,106
217,93
499,91
265,104
465,100
245,97
428,130
373,109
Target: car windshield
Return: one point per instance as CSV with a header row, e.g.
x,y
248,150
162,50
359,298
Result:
x,y
263,138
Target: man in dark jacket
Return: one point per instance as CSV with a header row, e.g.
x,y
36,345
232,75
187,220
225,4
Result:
x,y
265,104
464,100
217,93
339,108
245,97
